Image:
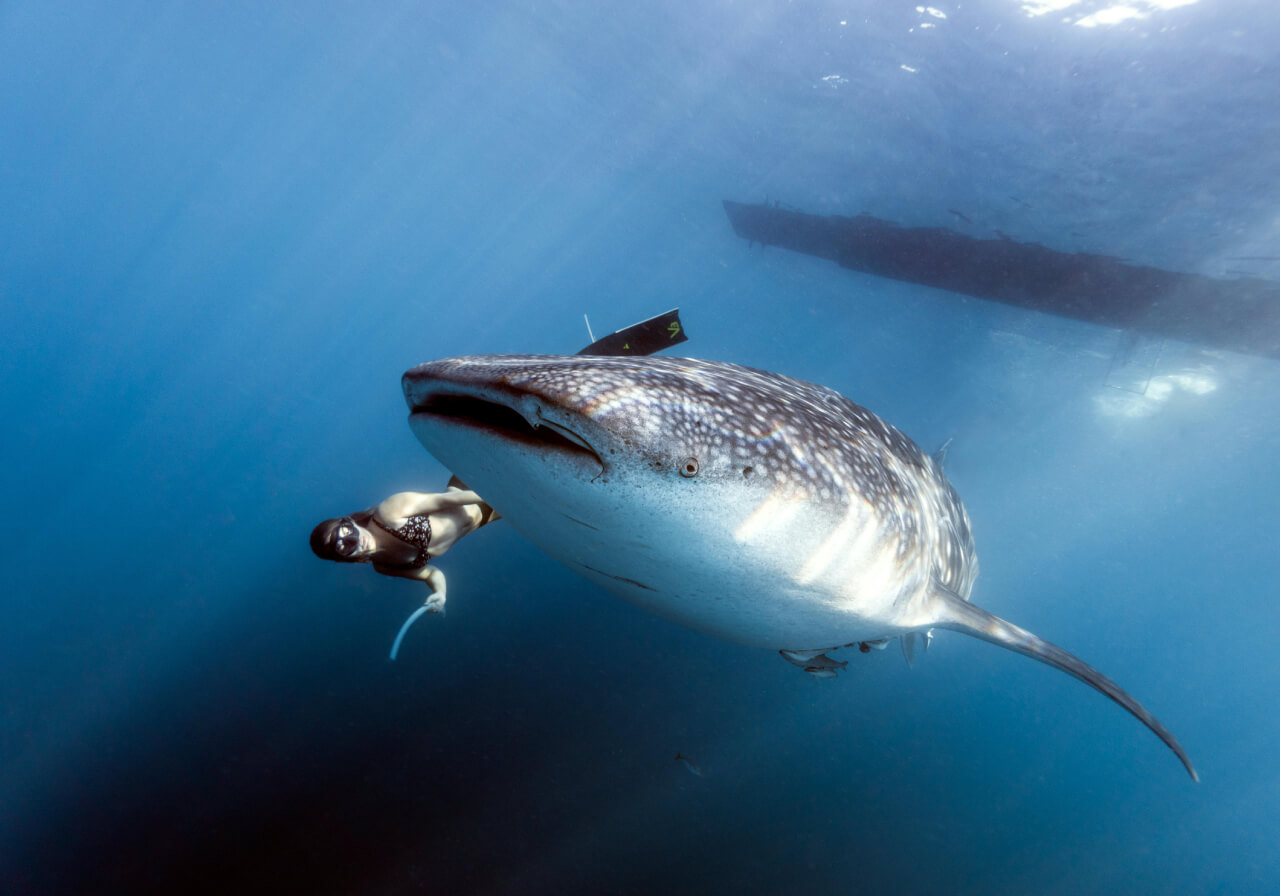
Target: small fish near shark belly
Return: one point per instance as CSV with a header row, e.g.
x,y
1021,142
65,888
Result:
x,y
739,502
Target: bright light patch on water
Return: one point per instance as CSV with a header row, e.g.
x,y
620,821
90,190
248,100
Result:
x,y
1044,7
1161,390
1108,15
1113,15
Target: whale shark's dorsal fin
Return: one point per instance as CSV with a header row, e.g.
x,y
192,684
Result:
x,y
957,614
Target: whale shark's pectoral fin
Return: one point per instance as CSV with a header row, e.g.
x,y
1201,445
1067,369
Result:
x,y
909,648
914,644
955,613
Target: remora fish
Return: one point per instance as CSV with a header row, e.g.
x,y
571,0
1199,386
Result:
x,y
742,503
689,764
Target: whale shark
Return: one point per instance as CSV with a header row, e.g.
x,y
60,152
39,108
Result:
x,y
745,504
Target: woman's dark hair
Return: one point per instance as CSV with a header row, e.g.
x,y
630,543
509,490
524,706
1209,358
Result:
x,y
322,541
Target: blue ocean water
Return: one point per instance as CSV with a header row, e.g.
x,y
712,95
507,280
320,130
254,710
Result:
x,y
227,229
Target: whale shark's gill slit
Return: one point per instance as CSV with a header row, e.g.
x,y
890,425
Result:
x,y
618,578
502,419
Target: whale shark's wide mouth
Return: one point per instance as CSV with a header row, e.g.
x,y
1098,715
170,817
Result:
x,y
503,421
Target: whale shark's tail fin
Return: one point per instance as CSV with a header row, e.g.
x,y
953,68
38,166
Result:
x,y
959,615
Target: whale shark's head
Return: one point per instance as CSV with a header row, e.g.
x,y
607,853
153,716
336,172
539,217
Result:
x,y
568,449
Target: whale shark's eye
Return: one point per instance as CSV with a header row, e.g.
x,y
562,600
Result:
x,y
689,467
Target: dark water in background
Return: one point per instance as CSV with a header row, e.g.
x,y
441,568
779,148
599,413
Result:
x,y
226,229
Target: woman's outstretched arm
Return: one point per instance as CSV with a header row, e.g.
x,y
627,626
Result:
x,y
403,505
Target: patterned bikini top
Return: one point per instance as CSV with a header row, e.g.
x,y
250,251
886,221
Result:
x,y
415,531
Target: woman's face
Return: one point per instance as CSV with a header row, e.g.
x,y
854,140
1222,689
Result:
x,y
353,542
